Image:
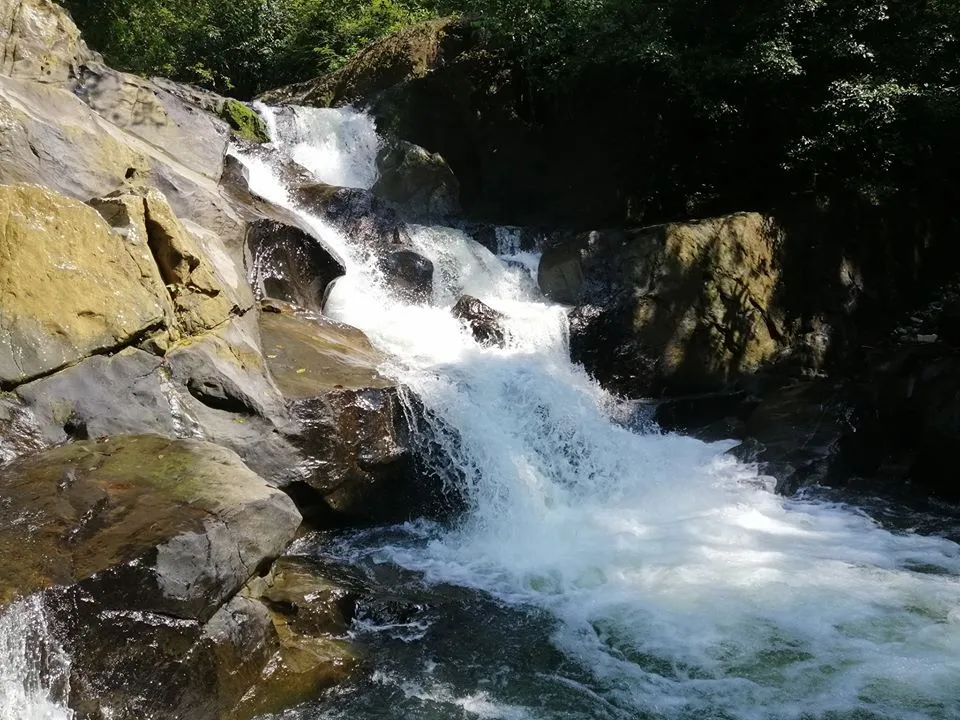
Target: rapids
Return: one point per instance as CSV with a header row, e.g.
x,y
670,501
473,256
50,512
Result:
x,y
671,578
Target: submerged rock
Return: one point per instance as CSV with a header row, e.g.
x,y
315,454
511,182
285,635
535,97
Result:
x,y
682,308
485,323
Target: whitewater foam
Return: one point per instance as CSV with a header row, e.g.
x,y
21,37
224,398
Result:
x,y
682,584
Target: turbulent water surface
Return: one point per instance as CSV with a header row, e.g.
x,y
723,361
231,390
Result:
x,y
602,572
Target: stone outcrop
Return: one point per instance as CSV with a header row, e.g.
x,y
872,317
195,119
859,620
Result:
x,y
146,523
685,307
69,286
419,184
289,264
40,42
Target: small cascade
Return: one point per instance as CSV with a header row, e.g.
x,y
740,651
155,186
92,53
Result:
x,y
680,585
34,669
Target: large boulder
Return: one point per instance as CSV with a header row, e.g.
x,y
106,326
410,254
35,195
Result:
x,y
353,433
418,183
69,286
684,307
40,42
138,544
140,522
286,263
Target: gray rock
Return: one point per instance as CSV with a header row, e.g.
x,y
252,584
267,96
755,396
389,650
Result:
x,y
485,323
141,522
418,184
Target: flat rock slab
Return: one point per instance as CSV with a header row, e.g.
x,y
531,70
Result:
x,y
311,355
143,522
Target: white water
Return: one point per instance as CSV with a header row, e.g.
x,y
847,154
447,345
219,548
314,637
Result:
x,y
685,586
34,671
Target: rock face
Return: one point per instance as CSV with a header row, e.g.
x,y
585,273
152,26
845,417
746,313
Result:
x,y
69,287
419,184
40,42
485,323
288,264
678,308
352,428
146,539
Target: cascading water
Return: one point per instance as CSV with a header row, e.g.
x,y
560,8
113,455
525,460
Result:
x,y
673,581
34,670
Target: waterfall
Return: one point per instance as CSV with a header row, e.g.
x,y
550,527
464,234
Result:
x,y
34,670
679,582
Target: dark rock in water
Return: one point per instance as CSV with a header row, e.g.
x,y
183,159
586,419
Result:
x,y
354,435
681,308
127,664
371,223
140,522
311,605
410,274
713,416
485,323
288,264
796,433
419,184
908,421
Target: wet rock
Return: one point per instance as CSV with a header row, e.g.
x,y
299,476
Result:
x,y
796,434
711,416
311,606
142,522
409,273
907,421
289,264
129,665
19,434
681,308
69,286
485,323
354,433
418,184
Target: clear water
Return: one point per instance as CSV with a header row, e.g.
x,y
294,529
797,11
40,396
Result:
x,y
669,579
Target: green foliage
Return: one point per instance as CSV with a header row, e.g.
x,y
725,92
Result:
x,y
240,46
847,95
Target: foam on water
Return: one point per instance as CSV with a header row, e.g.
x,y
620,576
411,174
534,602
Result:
x,y
34,670
679,580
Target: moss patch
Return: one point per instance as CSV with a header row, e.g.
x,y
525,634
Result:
x,y
245,122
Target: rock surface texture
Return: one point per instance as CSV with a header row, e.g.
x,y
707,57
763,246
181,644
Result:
x,y
685,307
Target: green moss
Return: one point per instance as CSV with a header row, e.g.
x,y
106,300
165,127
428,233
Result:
x,y
245,122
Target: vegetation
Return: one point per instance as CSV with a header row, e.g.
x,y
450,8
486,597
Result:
x,y
241,46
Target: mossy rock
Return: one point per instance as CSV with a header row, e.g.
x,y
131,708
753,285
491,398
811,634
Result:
x,y
245,122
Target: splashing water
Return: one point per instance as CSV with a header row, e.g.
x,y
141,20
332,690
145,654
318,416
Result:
x,y
679,582
339,146
34,670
